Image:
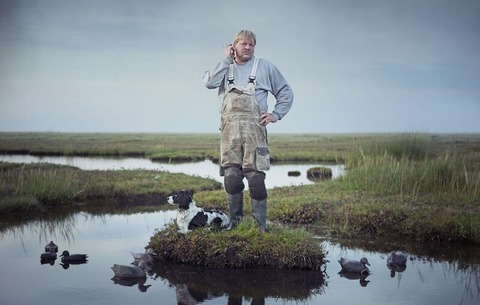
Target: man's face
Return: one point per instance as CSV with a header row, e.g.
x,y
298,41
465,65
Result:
x,y
244,50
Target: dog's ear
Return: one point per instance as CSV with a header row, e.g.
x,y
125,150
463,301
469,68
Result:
x,y
190,193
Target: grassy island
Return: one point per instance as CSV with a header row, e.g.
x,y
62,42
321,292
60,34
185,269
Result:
x,y
244,247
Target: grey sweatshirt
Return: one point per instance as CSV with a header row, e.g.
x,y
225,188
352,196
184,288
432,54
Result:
x,y
268,79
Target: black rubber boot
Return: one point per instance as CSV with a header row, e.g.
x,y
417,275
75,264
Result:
x,y
235,205
259,210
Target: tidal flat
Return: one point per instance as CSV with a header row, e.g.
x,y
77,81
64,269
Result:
x,y
421,186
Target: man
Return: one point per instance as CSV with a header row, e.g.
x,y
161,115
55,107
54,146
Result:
x,y
243,83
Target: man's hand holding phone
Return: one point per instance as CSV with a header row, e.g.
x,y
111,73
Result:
x,y
229,50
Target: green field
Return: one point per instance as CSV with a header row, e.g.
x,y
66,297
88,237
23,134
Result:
x,y
421,186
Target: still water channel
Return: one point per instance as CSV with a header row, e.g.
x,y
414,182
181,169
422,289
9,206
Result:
x,y
434,275
276,176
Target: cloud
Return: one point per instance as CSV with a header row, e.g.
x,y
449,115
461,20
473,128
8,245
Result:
x,y
137,65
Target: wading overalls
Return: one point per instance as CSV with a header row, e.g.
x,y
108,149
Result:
x,y
244,148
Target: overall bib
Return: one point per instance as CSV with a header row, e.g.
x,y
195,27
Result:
x,y
244,140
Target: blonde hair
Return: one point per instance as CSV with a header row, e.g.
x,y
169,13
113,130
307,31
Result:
x,y
245,35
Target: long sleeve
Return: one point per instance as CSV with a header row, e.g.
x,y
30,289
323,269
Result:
x,y
282,92
216,77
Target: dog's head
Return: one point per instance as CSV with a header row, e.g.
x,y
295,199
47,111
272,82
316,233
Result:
x,y
181,198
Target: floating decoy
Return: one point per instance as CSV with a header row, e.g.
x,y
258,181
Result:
x,y
148,256
397,259
131,271
73,258
51,247
354,266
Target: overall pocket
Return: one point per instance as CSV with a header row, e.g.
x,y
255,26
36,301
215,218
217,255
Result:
x,y
262,159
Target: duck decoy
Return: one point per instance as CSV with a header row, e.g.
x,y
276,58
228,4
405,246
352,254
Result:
x,y
73,258
131,271
51,247
148,256
397,259
354,266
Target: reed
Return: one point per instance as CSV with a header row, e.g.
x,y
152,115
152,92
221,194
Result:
x,y
410,169
45,184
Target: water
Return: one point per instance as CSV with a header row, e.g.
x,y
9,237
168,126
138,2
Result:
x,y
277,176
434,275
109,239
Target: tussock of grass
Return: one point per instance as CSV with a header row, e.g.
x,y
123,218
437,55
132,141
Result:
x,y
244,247
320,173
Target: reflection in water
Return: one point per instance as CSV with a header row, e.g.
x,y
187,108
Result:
x,y
195,284
49,261
361,277
433,275
61,225
396,269
129,282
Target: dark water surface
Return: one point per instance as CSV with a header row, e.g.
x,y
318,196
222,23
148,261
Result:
x,y
435,279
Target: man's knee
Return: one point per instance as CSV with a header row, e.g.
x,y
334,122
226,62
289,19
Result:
x,y
256,185
233,180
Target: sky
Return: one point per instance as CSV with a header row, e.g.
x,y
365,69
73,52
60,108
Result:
x,y
137,65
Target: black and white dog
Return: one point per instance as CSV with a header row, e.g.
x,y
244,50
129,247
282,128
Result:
x,y
190,217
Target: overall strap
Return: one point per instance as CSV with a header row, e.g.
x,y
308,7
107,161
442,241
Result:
x,y
254,71
230,74
252,74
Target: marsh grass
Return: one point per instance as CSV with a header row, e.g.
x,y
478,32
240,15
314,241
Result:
x,y
332,148
244,247
171,147
422,186
30,188
407,167
399,186
26,187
